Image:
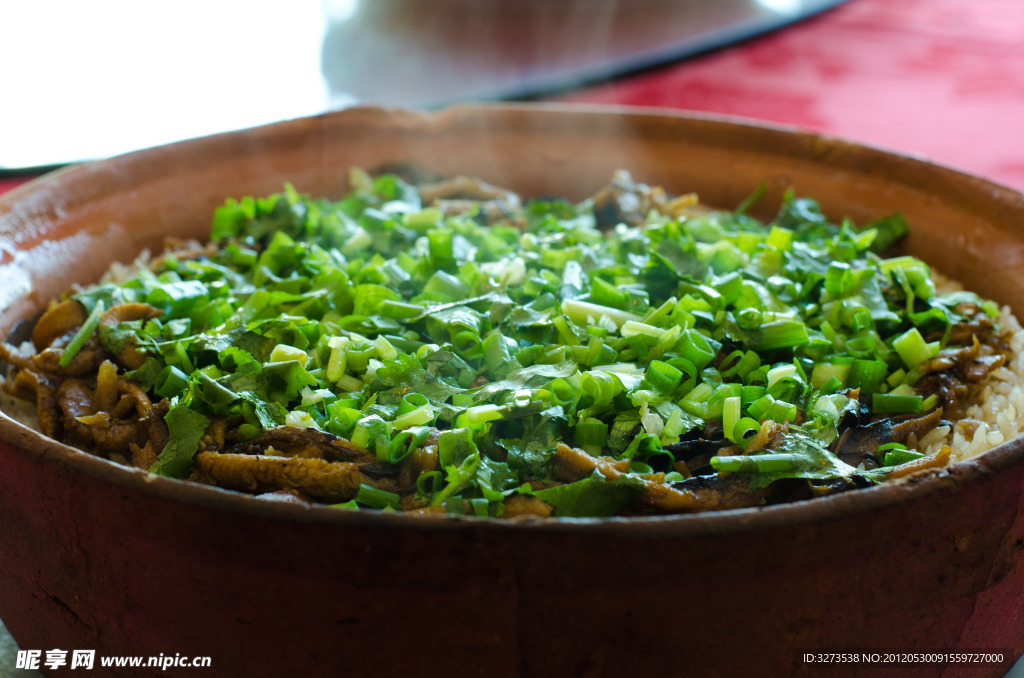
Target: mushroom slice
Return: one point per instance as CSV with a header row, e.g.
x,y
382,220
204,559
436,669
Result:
x,y
62,319
317,479
574,464
308,443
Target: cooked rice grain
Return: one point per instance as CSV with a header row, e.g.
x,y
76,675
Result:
x,y
998,402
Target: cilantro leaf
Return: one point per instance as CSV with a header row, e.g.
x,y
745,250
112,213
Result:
x,y
185,429
592,497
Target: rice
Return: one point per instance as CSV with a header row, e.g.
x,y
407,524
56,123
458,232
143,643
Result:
x,y
996,412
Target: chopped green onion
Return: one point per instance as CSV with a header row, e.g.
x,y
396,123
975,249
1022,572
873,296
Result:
x,y
780,372
84,333
823,372
897,457
483,413
384,322
604,293
376,498
417,417
911,348
663,377
866,375
745,429
697,348
757,463
170,382
584,313
895,403
778,334
591,432
283,352
730,415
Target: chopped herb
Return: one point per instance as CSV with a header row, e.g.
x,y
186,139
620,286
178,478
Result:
x,y
397,325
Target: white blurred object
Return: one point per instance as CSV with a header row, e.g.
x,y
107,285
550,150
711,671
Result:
x,y
86,80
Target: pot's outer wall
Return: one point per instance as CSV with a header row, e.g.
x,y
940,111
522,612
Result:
x,y
93,556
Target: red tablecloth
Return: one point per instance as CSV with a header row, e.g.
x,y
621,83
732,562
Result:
x,y
8,184
943,79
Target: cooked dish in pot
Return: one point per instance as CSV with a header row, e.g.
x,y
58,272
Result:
x,y
443,345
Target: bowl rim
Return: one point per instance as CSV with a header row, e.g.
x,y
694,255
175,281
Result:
x,y
22,440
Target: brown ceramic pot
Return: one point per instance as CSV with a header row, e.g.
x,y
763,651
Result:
x,y
97,556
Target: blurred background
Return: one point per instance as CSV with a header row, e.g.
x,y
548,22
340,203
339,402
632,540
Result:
x,y
939,78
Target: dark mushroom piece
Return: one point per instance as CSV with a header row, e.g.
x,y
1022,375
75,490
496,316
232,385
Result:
x,y
59,321
317,479
857,444
91,429
696,448
625,201
304,443
573,464
461,194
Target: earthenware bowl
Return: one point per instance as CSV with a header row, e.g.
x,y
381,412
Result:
x,y
97,556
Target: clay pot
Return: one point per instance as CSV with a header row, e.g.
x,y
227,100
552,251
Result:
x,y
98,556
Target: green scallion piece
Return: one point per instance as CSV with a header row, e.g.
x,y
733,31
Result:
x,y
84,333
562,392
730,415
483,413
897,456
758,463
591,432
405,442
418,417
597,389
697,348
411,402
662,377
780,372
170,382
892,403
445,285
606,294
480,506
425,218
866,375
911,348
745,429
376,498
740,363
440,242
399,309
428,483
823,372
778,334
750,394
585,313
781,412
640,468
